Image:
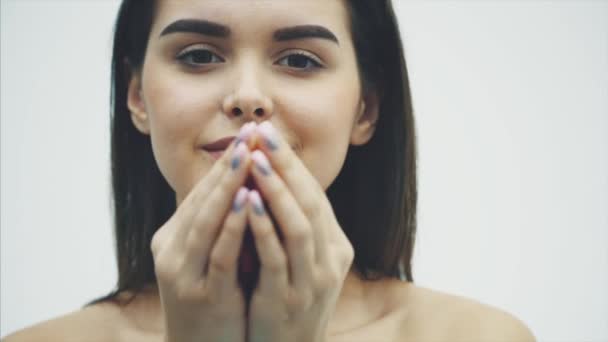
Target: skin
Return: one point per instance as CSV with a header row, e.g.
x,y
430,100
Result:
x,y
183,105
182,108
307,289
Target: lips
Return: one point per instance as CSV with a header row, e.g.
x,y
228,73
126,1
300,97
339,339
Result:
x,y
216,154
217,148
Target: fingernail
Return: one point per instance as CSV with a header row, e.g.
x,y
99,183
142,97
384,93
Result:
x,y
246,131
261,162
237,155
256,200
239,199
270,135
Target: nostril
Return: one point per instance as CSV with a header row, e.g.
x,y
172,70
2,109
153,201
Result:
x,y
259,112
237,111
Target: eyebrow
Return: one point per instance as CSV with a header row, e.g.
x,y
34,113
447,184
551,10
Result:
x,y
209,28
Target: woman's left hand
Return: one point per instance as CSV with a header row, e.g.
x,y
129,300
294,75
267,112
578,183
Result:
x,y
300,278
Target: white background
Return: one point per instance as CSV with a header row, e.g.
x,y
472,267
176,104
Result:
x,y
511,102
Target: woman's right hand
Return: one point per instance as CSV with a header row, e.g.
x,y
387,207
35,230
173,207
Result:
x,y
196,254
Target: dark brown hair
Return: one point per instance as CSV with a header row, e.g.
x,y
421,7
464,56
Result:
x,y
374,197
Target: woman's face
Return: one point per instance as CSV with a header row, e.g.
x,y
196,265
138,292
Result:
x,y
212,66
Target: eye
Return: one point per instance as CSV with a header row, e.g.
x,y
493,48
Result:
x,y
301,60
197,57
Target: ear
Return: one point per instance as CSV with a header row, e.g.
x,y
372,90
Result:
x,y
136,105
365,122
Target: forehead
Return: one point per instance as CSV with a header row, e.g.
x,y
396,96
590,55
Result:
x,y
256,15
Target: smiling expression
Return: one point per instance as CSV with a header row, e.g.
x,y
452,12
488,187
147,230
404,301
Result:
x,y
212,66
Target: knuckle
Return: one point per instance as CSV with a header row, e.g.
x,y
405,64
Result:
x,y
226,184
265,233
277,264
193,240
165,269
289,165
326,280
349,255
200,229
299,301
231,230
311,208
299,236
162,237
195,197
214,199
218,264
157,242
185,292
275,191
192,201
307,300
347,252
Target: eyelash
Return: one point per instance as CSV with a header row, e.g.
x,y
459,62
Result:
x,y
182,57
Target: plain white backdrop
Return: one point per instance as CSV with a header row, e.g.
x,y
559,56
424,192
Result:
x,y
511,102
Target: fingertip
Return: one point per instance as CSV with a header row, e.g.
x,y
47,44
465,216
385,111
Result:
x,y
256,202
261,162
269,134
247,130
239,156
240,199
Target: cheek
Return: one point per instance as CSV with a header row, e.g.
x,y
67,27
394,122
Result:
x,y
322,123
177,110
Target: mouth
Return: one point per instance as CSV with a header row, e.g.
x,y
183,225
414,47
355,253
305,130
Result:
x,y
216,154
217,148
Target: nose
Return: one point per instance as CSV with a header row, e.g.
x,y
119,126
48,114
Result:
x,y
248,101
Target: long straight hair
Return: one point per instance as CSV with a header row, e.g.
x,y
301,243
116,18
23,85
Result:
x,y
374,196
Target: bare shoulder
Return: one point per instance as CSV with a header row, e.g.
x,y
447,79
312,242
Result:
x,y
436,315
94,323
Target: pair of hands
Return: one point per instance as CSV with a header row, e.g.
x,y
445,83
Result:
x,y
196,252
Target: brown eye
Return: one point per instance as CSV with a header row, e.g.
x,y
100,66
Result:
x,y
199,57
301,61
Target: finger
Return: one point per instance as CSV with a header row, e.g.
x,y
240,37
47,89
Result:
x,y
222,267
293,224
193,202
285,161
302,184
273,261
204,227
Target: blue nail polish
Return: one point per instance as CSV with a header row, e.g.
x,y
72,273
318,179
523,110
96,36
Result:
x,y
271,144
258,209
263,170
237,155
256,200
269,134
261,162
236,161
239,200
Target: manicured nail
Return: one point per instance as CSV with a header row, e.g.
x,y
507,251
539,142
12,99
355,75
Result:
x,y
256,200
237,155
270,135
261,162
239,199
246,131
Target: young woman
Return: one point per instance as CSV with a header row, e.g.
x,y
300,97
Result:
x,y
264,177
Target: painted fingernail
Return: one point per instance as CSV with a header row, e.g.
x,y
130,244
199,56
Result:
x,y
256,200
246,131
270,135
239,199
237,155
261,162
